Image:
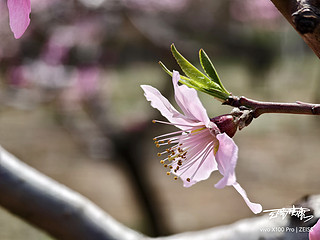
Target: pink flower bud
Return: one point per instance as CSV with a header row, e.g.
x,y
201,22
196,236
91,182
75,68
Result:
x,y
226,123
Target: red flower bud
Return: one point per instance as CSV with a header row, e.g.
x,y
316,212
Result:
x,y
226,123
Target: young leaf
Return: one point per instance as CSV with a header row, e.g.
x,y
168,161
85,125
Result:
x,y
183,79
191,71
218,94
221,96
209,68
165,68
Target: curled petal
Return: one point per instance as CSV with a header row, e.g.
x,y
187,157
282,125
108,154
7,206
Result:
x,y
314,233
226,158
189,102
164,106
255,207
19,11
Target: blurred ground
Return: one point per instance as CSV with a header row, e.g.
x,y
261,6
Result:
x,y
278,154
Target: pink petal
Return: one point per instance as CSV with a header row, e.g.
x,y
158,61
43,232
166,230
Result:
x,y
164,106
189,102
202,169
200,162
314,233
255,207
19,11
226,158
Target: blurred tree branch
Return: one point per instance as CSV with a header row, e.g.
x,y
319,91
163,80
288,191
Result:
x,y
304,16
53,207
65,214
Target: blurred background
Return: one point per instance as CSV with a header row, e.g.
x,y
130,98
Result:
x,y
71,106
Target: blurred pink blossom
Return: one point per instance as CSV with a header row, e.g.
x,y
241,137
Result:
x,y
42,5
253,10
16,77
199,148
87,81
19,11
84,85
314,233
156,5
54,52
47,77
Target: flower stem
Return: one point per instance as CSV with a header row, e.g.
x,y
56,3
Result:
x,y
259,108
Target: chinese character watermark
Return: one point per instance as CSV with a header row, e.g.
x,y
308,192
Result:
x,y
299,212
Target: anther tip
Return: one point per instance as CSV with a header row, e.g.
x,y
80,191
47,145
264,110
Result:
x,y
168,173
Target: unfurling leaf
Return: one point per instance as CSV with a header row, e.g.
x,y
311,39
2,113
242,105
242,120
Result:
x,y
209,68
210,84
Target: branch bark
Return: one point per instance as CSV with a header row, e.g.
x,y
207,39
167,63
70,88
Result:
x,y
53,207
257,108
304,16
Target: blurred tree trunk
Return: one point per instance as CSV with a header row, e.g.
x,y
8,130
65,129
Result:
x,y
304,16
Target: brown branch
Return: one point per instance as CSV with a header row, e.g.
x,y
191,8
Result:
x,y
257,108
304,16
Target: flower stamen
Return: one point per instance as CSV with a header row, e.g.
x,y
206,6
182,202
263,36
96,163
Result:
x,y
189,145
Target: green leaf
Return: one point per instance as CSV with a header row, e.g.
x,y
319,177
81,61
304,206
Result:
x,y
183,79
191,71
197,79
209,69
218,94
165,68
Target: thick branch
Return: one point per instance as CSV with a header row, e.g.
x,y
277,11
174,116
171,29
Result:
x,y
53,207
304,16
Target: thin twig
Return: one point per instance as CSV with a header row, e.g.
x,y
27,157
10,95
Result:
x,y
257,108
